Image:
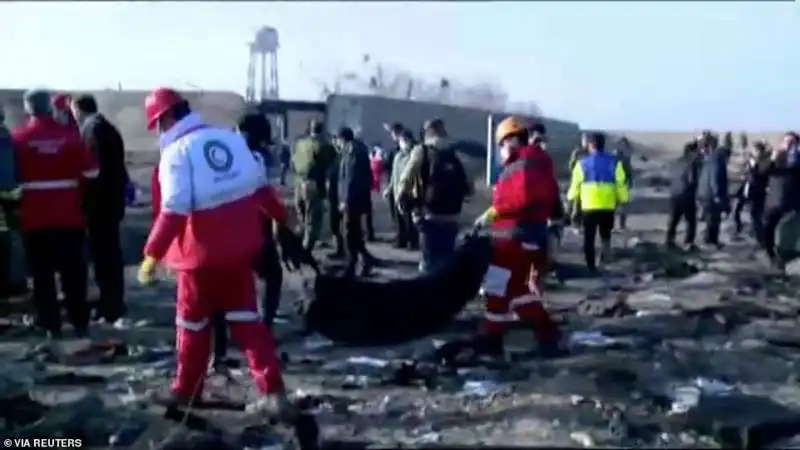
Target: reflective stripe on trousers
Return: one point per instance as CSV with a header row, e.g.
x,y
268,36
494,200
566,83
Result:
x,y
513,304
230,316
190,324
50,184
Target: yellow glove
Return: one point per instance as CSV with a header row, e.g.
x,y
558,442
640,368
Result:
x,y
147,271
486,218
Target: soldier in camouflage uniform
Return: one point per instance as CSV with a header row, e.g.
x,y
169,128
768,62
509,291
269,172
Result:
x,y
311,161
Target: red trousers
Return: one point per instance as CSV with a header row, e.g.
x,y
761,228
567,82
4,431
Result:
x,y
231,291
513,290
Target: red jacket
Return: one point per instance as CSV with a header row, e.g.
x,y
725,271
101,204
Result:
x,y
376,166
524,195
52,164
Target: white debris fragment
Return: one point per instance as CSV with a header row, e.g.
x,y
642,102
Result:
x,y
367,361
480,388
317,342
356,381
591,339
711,387
428,438
686,396
576,400
582,438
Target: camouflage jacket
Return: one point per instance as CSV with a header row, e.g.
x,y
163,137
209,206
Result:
x,y
312,158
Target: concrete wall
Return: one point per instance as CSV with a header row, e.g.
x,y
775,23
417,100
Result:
x,y
364,113
367,114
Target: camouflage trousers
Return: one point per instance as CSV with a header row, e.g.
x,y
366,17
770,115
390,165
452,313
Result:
x,y
309,205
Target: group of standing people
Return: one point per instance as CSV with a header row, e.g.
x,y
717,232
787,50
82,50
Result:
x,y
64,186
334,174
427,188
770,190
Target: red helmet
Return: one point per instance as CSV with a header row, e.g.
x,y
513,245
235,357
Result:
x,y
61,102
159,102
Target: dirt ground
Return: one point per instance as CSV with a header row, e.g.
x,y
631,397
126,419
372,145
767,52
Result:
x,y
667,350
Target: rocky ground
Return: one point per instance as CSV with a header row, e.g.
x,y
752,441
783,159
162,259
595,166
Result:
x,y
667,349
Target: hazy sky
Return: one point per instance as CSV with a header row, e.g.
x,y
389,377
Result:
x,y
613,65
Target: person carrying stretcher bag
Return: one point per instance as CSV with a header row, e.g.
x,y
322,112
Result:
x,y
522,202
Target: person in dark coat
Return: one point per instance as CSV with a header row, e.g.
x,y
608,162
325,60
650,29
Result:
x,y
257,132
683,196
753,191
10,193
285,156
712,187
783,192
354,191
334,215
105,206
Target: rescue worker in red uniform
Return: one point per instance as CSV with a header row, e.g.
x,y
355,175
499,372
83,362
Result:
x,y
522,201
208,231
62,111
53,165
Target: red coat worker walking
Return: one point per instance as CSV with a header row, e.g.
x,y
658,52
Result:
x,y
208,231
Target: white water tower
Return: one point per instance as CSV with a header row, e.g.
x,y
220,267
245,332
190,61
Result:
x,y
263,55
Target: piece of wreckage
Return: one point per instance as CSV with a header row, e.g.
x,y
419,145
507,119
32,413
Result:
x,y
368,313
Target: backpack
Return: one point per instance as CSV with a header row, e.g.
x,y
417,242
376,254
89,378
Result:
x,y
443,181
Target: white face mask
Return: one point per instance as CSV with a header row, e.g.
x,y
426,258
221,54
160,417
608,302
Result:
x,y
504,152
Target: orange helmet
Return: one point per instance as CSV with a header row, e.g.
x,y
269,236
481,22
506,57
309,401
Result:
x,y
158,103
61,102
508,127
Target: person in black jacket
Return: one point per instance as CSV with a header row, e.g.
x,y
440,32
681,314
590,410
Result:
x,y
257,132
105,205
783,192
753,191
354,191
683,196
712,187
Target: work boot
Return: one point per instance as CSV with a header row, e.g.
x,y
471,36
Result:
x,y
778,263
605,252
368,263
275,406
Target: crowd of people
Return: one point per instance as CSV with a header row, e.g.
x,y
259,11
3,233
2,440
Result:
x,y
64,186
769,190
426,189
218,222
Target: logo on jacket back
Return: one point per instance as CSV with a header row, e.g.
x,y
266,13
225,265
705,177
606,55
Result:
x,y
218,156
